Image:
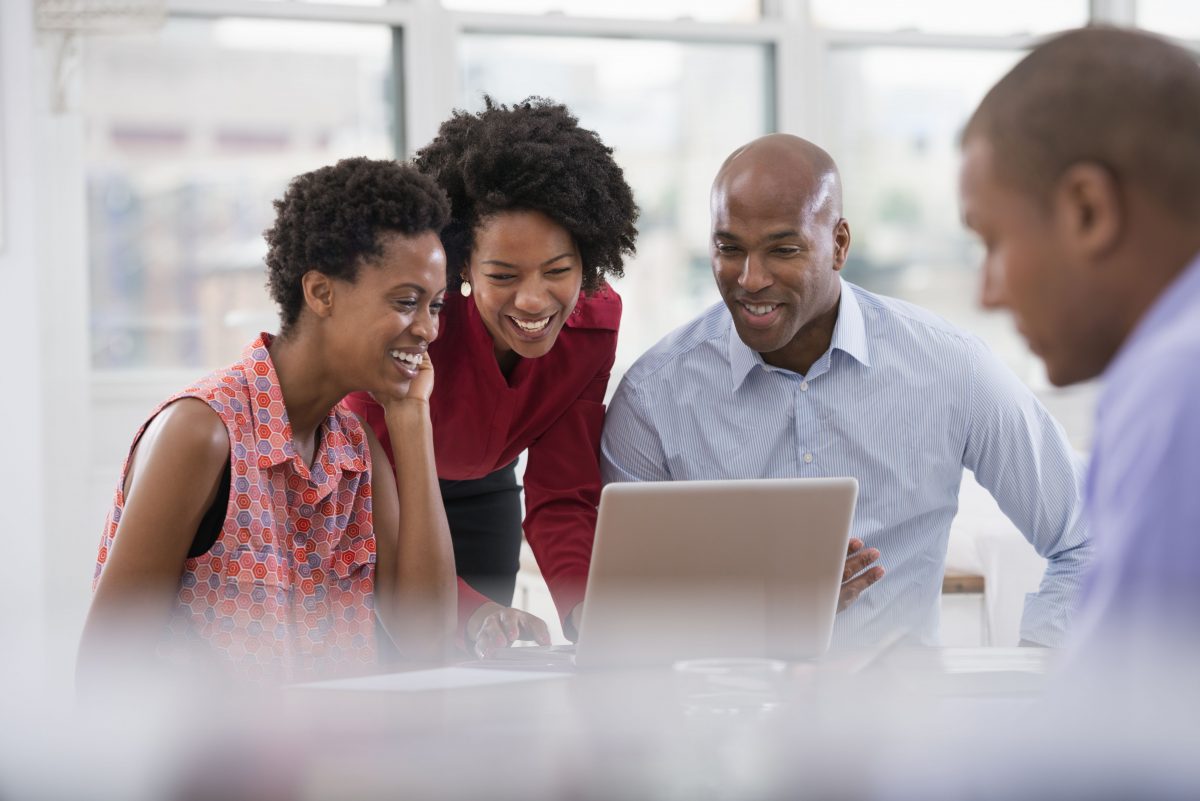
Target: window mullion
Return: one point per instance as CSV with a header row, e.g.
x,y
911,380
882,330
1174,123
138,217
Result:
x,y
1113,12
430,69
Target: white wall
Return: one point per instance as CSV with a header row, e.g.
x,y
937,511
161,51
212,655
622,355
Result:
x,y
22,602
45,401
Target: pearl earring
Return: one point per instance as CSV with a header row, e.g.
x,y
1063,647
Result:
x,y
465,289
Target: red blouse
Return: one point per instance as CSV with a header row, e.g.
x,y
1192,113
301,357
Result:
x,y
553,406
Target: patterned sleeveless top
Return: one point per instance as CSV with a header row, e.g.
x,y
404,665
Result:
x,y
287,591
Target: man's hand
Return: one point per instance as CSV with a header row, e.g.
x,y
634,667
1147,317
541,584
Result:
x,y
494,627
855,575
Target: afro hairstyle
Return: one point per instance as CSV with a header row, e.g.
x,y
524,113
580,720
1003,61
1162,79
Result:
x,y
335,218
532,156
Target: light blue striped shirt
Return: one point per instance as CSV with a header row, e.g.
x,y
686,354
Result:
x,y
902,401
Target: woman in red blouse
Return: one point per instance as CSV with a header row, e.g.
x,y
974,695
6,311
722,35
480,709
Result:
x,y
540,217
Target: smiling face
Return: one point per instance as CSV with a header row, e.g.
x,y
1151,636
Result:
x,y
778,243
1031,269
525,274
389,314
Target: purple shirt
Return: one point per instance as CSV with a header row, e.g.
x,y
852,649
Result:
x,y
1143,487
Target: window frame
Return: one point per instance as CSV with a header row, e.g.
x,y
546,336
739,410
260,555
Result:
x,y
425,47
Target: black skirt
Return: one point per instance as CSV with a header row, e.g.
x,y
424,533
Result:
x,y
485,524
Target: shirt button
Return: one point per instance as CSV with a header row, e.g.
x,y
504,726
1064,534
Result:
x,y
808,458
804,386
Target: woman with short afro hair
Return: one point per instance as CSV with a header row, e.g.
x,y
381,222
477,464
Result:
x,y
540,218
257,528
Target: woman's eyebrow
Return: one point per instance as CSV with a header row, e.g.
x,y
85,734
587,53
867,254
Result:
x,y
502,263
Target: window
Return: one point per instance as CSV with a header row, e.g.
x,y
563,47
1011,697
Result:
x,y
672,112
893,126
952,16
708,11
1179,18
190,134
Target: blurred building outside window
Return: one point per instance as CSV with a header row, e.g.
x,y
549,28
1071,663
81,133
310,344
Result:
x,y
950,16
706,11
1178,18
893,126
190,134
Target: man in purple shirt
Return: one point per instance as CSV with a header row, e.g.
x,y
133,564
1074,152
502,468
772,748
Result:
x,y
1081,174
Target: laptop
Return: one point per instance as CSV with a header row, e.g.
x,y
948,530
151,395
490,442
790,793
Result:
x,y
694,569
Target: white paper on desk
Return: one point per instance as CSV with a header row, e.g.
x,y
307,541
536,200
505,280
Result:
x,y
1000,672
447,678
988,660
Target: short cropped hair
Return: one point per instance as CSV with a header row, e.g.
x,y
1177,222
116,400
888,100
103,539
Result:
x,y
1121,98
335,218
532,156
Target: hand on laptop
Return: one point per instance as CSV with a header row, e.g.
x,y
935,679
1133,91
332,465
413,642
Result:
x,y
494,627
855,575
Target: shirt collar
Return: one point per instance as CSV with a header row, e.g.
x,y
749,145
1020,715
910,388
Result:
x,y
273,431
1177,298
849,336
341,448
850,331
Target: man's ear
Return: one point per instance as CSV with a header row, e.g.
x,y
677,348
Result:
x,y
841,243
318,293
1088,209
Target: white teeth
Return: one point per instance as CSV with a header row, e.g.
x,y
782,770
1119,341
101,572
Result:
x,y
531,327
760,309
411,359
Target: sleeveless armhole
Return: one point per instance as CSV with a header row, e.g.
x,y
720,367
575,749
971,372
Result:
x,y
213,521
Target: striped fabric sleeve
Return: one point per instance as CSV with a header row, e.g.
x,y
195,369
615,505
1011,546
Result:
x,y
631,448
1020,454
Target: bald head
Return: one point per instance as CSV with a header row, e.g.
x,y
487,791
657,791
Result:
x,y
778,243
784,165
1126,100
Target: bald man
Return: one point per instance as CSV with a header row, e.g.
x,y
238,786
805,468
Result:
x,y
801,374
1081,174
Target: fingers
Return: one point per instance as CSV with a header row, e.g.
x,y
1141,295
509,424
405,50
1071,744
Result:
x,y
854,587
510,623
422,386
857,574
858,560
491,637
534,628
499,630
502,628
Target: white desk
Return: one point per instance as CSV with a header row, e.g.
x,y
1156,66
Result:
x,y
648,733
819,732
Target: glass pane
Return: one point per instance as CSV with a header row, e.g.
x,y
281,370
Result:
x,y
190,134
893,125
951,16
672,112
1179,18
337,2
709,11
